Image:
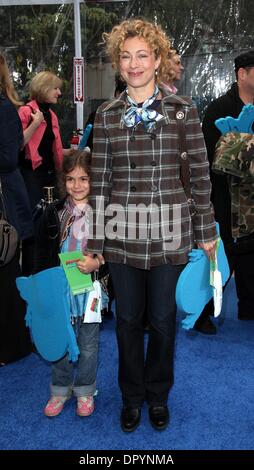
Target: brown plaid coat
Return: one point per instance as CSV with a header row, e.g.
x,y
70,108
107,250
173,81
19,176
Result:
x,y
132,167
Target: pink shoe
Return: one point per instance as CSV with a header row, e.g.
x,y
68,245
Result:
x,y
85,406
55,406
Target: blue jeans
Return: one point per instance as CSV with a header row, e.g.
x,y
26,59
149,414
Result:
x,y
84,383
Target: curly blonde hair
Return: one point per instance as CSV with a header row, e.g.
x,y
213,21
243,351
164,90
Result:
x,y
169,70
153,34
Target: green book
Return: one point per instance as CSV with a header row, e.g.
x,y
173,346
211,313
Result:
x,y
79,282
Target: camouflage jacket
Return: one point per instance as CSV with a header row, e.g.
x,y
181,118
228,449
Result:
x,y
234,156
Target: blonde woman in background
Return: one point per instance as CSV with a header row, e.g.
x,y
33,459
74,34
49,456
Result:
x,y
175,70
43,152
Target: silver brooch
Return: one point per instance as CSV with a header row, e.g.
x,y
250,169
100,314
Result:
x,y
179,115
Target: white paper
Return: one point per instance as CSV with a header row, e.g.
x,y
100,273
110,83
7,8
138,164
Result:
x,y
93,305
217,292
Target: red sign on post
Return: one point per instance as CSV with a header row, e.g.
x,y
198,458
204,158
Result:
x,y
78,73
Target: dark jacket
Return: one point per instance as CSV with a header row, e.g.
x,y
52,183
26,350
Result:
x,y
14,191
135,168
229,104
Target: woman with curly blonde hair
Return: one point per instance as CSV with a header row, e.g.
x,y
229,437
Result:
x,y
153,35
136,176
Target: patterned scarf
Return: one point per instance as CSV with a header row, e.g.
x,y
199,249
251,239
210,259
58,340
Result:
x,y
74,222
136,113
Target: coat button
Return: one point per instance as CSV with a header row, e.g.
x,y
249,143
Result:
x,y
154,188
133,165
132,138
184,156
153,163
153,136
133,188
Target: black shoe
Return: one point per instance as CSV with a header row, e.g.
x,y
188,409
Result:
x,y
205,326
159,417
130,419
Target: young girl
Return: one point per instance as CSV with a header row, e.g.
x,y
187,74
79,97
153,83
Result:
x,y
64,227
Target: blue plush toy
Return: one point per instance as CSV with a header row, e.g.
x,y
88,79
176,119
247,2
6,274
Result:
x,y
86,134
48,313
193,290
243,123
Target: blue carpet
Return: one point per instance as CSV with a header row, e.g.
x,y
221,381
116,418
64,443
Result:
x,y
211,402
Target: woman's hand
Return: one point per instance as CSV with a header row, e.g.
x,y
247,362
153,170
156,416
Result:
x,y
67,152
37,117
209,248
90,264
98,256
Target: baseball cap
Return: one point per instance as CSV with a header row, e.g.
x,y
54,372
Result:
x,y
244,60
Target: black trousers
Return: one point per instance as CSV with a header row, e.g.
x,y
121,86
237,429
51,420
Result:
x,y
145,376
243,267
28,255
15,341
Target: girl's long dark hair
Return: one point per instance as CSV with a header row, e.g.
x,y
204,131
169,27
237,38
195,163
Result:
x,y
77,158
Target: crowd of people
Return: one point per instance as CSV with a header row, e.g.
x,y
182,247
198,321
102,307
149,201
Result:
x,y
133,171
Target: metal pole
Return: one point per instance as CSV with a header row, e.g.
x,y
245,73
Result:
x,y
78,53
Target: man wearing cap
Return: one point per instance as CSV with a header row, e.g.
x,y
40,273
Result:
x,y
240,261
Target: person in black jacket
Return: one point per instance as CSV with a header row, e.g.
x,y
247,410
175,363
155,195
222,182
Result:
x,y
14,336
230,104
